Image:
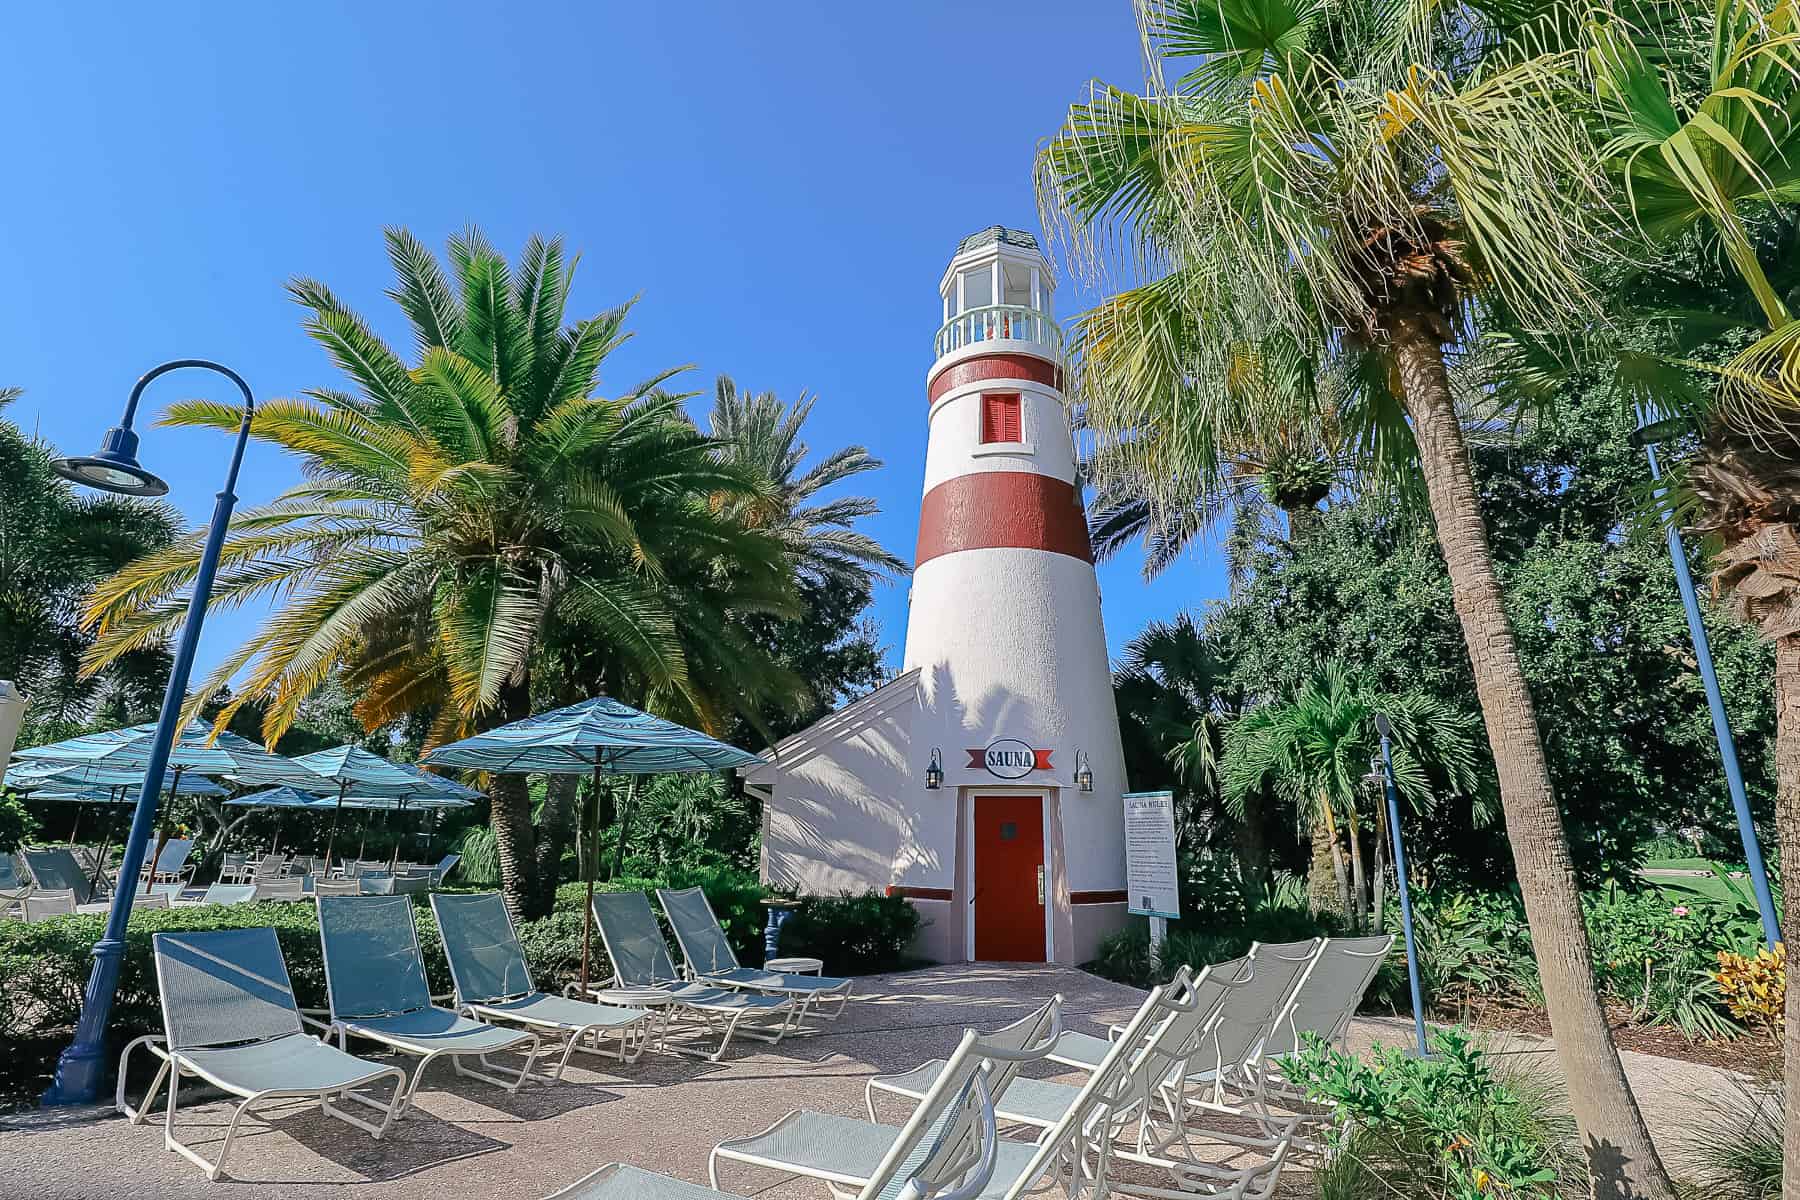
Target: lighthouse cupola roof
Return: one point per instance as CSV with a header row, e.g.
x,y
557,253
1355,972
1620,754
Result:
x,y
998,286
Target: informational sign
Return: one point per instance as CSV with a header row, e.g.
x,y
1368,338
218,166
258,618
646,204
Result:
x,y
1009,758
1152,884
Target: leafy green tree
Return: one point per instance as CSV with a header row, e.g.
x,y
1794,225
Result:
x,y
826,644
1367,180
455,511
1312,749
55,543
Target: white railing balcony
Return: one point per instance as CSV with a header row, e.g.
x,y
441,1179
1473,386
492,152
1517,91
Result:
x,y
996,321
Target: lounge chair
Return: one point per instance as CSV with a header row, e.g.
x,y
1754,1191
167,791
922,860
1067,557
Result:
x,y
948,1151
395,885
375,985
843,1152
337,887
234,867
494,984
710,958
229,893
54,868
229,1018
171,865
442,871
274,888
640,959
15,884
1084,1051
43,904
1078,1150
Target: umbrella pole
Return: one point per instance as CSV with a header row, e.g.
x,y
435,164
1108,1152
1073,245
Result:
x,y
75,830
163,838
105,843
589,852
336,813
399,832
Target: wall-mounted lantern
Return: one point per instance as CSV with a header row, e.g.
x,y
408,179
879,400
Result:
x,y
1084,772
934,773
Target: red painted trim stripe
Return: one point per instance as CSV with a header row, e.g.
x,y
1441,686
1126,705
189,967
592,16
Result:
x,y
995,366
1098,897
986,510
920,893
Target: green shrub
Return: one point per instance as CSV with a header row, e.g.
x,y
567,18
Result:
x,y
17,826
853,935
1445,1128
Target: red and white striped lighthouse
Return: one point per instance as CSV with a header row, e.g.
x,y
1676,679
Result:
x,y
1004,625
983,783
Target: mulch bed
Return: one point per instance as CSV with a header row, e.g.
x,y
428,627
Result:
x,y
1754,1056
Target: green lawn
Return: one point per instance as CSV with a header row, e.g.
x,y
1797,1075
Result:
x,y
1693,887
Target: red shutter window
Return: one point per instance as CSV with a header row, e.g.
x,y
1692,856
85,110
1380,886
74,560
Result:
x,y
1000,419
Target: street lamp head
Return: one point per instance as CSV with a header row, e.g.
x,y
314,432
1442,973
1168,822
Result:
x,y
1654,428
113,468
1384,727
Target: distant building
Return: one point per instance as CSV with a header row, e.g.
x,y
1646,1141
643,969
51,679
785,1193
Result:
x,y
1006,686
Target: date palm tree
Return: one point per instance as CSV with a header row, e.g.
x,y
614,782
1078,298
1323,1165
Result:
x,y
1363,178
455,511
762,435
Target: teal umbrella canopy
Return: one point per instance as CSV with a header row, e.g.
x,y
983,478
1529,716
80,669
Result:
x,y
197,748
448,787
354,769
280,797
88,794
599,734
48,774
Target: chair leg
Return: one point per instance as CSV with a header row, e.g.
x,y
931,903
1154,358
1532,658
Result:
x,y
138,1115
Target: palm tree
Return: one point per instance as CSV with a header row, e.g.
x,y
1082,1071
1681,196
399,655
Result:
x,y
761,435
1271,438
1702,112
456,510
1170,689
1363,179
1311,750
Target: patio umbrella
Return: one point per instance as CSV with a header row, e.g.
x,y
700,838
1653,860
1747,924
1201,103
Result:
x,y
50,780
197,748
352,767
280,797
600,736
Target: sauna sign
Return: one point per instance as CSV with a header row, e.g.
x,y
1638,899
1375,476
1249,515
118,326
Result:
x,y
1009,758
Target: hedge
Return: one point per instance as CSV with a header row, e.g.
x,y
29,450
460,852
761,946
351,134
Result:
x,y
44,966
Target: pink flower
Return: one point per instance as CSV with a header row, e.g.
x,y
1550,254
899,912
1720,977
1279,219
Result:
x,y
1680,910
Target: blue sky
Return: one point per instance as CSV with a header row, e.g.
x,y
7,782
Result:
x,y
782,184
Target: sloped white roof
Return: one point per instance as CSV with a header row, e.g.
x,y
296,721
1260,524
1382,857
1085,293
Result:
x,y
900,692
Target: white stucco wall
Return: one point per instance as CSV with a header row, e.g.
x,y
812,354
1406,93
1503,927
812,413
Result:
x,y
842,811
1009,644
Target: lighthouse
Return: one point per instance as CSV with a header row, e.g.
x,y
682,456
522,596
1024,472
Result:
x,y
984,782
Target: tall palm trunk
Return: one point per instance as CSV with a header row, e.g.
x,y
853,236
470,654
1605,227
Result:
x,y
1326,832
553,826
515,837
1787,827
1359,887
1621,1158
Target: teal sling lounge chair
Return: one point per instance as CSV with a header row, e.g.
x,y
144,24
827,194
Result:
x,y
229,1018
711,959
641,962
375,984
494,984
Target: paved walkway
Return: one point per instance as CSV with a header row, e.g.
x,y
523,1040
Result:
x,y
466,1140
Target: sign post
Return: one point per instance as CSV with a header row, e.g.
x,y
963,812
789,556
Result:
x,y
1152,883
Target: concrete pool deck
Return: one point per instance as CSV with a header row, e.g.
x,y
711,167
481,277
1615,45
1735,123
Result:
x,y
466,1140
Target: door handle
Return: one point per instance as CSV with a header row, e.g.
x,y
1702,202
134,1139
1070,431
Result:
x,y
1040,877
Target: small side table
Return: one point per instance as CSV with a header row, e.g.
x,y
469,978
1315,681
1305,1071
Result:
x,y
779,911
798,965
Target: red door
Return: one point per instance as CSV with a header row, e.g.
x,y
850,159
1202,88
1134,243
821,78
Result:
x,y
1009,878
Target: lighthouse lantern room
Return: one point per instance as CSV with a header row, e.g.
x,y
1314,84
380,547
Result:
x,y
984,782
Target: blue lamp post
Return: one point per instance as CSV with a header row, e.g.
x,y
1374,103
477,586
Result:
x,y
1652,428
114,468
1386,731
